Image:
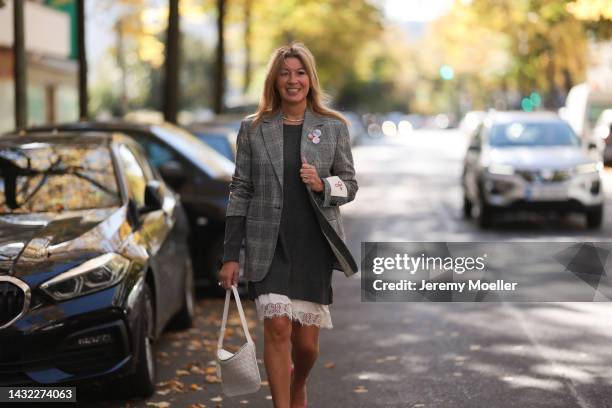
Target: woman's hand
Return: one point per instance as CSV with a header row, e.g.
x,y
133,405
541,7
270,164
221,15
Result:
x,y
228,276
308,174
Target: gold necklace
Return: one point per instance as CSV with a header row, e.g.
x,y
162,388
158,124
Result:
x,y
292,120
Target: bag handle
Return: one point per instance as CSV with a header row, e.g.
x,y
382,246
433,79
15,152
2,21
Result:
x,y
245,328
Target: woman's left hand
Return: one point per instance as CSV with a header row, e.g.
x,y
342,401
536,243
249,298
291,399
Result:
x,y
308,174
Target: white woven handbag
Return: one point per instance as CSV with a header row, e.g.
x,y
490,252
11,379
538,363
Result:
x,y
238,371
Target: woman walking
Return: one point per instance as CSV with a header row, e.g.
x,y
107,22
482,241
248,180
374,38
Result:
x,y
294,167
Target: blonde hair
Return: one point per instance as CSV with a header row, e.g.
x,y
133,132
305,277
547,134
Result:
x,y
270,102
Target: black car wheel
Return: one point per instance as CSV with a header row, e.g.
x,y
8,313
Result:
x,y
594,217
184,318
142,382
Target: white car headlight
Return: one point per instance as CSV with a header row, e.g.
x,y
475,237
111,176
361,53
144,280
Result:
x,y
96,274
502,169
588,168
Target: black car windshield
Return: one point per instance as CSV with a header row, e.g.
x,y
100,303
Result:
x,y
218,142
41,177
517,134
197,151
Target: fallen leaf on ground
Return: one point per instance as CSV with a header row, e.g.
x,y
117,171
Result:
x,y
181,373
329,365
197,370
196,387
217,399
162,404
164,392
360,389
212,379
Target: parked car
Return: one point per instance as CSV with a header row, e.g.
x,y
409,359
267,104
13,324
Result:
x,y
583,106
471,122
220,138
191,168
530,161
93,260
603,131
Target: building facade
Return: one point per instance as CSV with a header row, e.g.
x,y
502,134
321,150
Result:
x,y
51,68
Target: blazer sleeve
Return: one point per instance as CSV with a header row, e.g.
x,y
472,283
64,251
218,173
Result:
x,y
341,186
241,187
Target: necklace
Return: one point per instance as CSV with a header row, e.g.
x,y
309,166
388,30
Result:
x,y
292,120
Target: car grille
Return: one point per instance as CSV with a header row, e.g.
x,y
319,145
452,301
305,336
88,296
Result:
x,y
18,357
12,301
90,359
544,176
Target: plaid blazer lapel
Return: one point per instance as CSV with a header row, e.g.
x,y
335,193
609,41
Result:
x,y
307,148
272,134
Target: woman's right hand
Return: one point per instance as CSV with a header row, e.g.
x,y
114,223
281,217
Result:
x,y
228,276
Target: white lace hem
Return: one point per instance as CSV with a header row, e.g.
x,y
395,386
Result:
x,y
306,313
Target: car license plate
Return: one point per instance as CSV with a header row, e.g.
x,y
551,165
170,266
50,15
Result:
x,y
546,193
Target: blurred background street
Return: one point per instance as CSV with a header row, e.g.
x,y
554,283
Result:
x,y
470,120
422,354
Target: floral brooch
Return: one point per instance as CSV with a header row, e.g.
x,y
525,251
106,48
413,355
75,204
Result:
x,y
315,136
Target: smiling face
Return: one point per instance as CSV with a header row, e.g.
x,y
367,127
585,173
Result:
x,y
293,82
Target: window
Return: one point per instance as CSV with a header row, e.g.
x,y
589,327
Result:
x,y
41,177
136,180
156,153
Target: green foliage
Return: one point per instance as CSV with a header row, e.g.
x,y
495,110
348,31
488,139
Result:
x,y
334,30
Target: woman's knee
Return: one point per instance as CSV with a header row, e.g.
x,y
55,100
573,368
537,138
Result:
x,y
306,347
277,329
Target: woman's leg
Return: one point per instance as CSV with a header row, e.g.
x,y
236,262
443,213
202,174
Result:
x,y
305,350
277,358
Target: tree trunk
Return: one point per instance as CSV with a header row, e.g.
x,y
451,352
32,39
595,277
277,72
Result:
x,y
83,95
247,45
220,61
171,82
123,98
19,66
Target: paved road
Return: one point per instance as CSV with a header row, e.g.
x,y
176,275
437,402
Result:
x,y
423,354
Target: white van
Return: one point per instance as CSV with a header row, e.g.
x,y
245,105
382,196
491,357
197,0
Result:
x,y
583,106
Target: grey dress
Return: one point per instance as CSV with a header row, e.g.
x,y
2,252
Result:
x,y
303,260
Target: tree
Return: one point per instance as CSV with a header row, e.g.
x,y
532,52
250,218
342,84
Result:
x,y
248,46
19,66
82,57
596,15
171,83
219,80
532,46
335,38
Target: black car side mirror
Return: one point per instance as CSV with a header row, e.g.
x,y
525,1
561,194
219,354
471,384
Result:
x,y
153,197
173,173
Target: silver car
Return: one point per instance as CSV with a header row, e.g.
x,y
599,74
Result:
x,y
530,161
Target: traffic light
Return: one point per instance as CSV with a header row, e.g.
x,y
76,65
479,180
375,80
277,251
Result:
x,y
447,72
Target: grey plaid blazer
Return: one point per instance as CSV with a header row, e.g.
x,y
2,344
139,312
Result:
x,y
256,188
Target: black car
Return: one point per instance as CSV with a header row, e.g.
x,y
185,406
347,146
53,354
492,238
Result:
x,y
191,168
220,138
94,261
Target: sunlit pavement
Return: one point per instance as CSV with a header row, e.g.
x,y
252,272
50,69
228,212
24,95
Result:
x,y
420,354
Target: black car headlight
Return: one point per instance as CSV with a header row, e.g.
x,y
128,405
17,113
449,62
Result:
x,y
96,274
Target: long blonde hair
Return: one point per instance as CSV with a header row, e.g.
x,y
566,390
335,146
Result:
x,y
270,102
